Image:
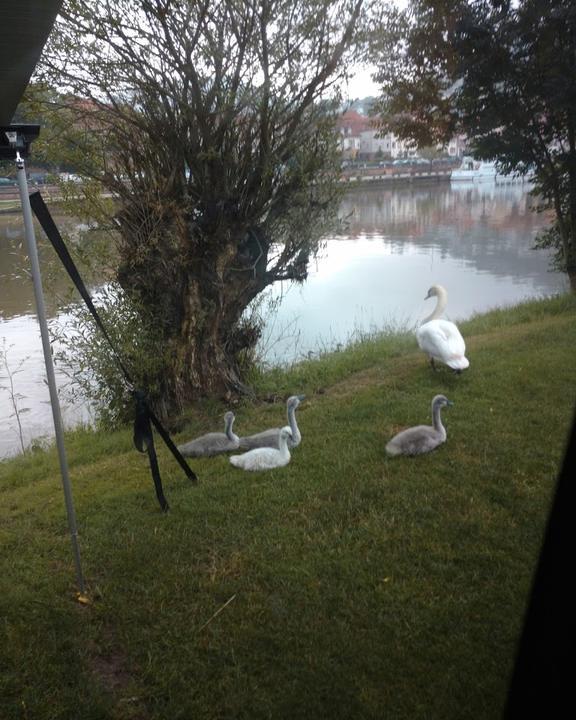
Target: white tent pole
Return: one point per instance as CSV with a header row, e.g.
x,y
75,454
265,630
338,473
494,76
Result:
x,y
56,414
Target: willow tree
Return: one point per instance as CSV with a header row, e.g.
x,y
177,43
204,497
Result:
x,y
216,122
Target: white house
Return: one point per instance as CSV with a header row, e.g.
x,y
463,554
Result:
x,y
358,140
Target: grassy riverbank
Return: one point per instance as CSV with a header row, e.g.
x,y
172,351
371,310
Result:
x,y
346,585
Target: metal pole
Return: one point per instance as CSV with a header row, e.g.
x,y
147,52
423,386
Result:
x,y
41,310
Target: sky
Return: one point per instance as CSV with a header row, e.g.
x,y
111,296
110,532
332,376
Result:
x,y
361,84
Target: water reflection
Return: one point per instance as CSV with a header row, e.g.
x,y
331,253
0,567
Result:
x,y
476,240
16,291
21,357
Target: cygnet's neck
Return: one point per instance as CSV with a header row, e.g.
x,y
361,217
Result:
x,y
442,299
229,434
293,424
437,419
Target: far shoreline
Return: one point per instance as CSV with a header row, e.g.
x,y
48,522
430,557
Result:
x,y
352,182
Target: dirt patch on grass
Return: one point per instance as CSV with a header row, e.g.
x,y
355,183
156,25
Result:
x,y
111,670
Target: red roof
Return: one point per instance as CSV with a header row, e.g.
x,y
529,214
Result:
x,y
352,123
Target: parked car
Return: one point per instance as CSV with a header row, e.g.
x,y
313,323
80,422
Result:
x,y
70,177
7,182
412,161
37,178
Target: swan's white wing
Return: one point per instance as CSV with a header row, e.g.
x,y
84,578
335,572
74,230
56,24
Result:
x,y
442,340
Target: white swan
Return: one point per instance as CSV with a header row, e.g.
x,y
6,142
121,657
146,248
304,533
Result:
x,y
265,458
440,339
422,438
270,438
213,443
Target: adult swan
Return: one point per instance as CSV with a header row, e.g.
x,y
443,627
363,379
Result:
x,y
440,339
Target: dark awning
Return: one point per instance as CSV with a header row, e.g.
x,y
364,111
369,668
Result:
x,y
24,29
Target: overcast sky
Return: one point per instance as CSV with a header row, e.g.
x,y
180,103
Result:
x,y
361,85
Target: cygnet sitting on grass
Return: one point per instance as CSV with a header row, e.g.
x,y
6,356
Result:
x,y
214,443
421,438
265,458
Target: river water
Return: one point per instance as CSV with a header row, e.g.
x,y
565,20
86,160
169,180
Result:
x,y
474,240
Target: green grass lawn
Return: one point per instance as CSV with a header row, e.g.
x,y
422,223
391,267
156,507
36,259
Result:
x,y
346,585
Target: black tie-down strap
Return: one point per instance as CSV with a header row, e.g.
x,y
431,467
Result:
x,y
144,441
144,417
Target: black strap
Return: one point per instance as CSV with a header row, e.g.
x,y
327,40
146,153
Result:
x,y
173,449
144,441
143,436
53,234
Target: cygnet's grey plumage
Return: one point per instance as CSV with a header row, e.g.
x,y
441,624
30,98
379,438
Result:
x,y
440,339
213,443
270,438
265,458
422,438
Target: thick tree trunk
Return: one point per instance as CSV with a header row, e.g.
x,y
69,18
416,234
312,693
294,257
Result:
x,y
198,288
569,251
204,353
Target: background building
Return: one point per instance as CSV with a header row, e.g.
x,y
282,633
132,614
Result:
x,y
360,140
